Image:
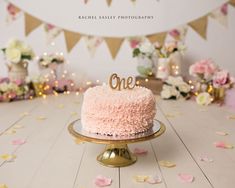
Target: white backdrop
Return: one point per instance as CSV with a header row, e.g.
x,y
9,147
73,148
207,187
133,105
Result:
x,y
219,43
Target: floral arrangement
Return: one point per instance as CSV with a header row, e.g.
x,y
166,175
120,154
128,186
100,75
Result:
x,y
17,90
47,60
145,49
174,88
203,70
17,51
211,81
169,48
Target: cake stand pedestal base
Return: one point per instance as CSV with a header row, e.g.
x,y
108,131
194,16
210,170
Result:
x,y
116,155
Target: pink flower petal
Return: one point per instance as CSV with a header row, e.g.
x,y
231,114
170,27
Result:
x,y
140,151
102,181
185,178
18,142
154,179
223,145
205,159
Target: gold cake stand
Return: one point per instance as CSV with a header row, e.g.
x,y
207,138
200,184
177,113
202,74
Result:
x,y
116,152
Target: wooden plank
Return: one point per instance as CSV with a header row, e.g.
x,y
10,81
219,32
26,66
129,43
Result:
x,y
170,147
42,136
196,127
90,168
145,165
13,112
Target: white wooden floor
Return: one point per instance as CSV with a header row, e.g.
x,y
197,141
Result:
x,y
51,159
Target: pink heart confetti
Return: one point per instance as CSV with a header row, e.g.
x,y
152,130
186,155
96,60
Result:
x,y
154,179
140,151
18,142
206,159
185,178
223,145
221,133
102,181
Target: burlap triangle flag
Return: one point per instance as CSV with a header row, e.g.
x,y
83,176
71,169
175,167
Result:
x,y
158,37
200,26
114,45
71,39
109,2
232,2
31,23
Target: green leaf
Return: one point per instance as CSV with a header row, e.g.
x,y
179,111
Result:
x,y
136,52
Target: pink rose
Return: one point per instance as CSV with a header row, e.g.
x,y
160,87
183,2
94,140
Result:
x,y
203,69
12,10
134,43
174,33
18,82
224,9
220,78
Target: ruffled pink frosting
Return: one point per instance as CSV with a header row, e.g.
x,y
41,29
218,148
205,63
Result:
x,y
112,112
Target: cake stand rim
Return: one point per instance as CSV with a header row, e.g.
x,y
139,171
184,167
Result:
x,y
124,141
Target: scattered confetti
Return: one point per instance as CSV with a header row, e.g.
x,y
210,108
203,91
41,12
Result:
x,y
170,115
24,114
18,142
185,178
74,113
141,178
8,157
205,159
140,151
223,145
167,164
221,133
60,106
78,141
3,186
154,179
10,131
102,181
18,127
231,117
41,118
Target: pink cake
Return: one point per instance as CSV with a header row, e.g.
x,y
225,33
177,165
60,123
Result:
x,y
111,112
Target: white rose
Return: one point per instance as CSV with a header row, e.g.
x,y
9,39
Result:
x,y
203,98
175,81
185,88
166,93
3,87
13,43
13,55
147,48
13,86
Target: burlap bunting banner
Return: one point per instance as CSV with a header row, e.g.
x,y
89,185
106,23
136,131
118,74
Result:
x,y
31,23
200,26
232,2
158,37
71,39
114,45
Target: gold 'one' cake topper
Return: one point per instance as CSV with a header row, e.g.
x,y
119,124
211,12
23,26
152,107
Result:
x,y
115,82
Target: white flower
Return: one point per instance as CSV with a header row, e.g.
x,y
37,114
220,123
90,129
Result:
x,y
204,98
13,43
175,81
147,48
185,88
3,87
13,55
169,91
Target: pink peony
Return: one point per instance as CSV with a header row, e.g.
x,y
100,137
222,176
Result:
x,y
203,69
221,78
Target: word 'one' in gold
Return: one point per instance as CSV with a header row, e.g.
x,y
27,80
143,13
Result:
x,y
115,82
